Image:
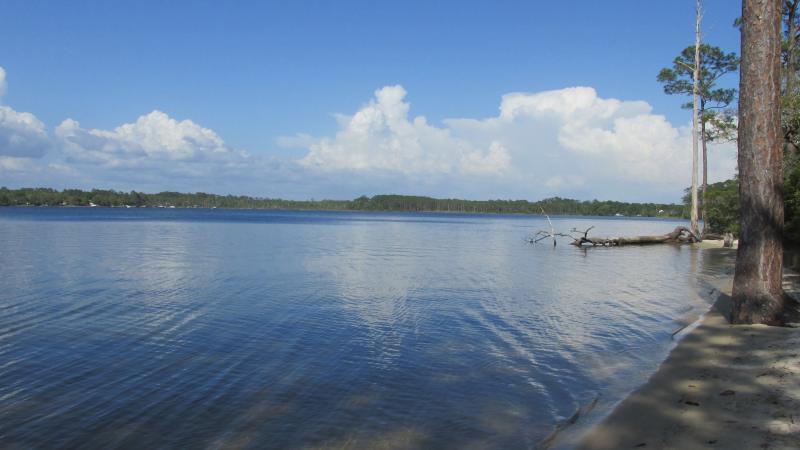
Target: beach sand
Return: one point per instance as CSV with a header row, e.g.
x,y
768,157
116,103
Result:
x,y
722,386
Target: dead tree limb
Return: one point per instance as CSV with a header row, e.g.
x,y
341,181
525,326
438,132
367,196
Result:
x,y
585,232
552,229
678,235
540,235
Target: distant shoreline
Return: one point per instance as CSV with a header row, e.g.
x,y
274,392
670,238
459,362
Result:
x,y
531,214
555,206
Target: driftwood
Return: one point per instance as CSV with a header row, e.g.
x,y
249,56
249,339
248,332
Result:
x,y
679,235
727,240
541,234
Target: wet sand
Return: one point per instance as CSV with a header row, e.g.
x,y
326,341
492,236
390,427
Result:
x,y
722,386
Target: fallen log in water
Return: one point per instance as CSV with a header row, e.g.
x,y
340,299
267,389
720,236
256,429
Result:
x,y
680,235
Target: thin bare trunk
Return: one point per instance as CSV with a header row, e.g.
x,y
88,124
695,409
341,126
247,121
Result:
x,y
705,164
757,292
695,122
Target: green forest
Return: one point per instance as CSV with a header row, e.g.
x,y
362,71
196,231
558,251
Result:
x,y
111,198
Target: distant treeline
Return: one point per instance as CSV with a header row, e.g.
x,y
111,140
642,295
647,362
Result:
x,y
554,205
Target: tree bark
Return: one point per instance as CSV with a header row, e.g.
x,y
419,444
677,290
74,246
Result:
x,y
705,163
757,293
695,121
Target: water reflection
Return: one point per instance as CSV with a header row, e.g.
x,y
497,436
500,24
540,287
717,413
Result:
x,y
541,320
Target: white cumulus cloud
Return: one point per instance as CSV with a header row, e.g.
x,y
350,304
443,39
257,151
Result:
x,y
567,142
154,152
22,135
153,137
154,146
382,137
159,152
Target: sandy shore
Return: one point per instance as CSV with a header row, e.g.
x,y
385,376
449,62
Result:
x,y
722,386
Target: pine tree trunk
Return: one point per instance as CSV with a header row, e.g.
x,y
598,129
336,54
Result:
x,y
757,292
695,122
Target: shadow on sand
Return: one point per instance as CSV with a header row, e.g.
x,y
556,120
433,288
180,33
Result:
x,y
723,386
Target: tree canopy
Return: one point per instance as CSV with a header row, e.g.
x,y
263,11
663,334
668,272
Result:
x,y
714,63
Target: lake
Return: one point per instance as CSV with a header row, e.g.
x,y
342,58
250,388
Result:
x,y
197,328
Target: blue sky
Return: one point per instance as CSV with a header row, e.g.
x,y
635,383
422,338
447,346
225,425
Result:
x,y
253,74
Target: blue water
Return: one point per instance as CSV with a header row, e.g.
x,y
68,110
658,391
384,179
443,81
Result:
x,y
156,328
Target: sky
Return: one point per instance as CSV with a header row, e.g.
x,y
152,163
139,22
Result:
x,y
320,99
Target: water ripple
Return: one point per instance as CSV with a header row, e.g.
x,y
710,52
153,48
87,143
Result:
x,y
253,329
